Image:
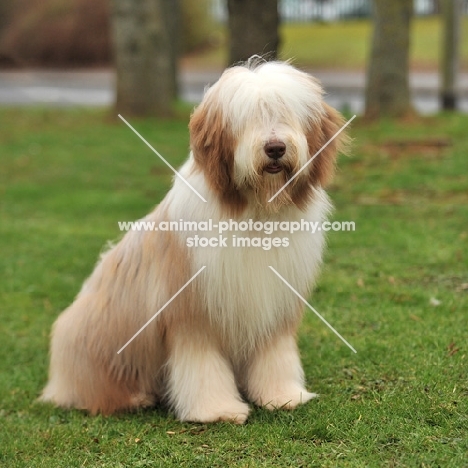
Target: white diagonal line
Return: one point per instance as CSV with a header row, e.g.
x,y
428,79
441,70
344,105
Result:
x,y
312,158
161,309
312,309
162,159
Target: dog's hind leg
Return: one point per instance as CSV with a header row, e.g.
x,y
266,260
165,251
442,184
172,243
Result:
x,y
89,375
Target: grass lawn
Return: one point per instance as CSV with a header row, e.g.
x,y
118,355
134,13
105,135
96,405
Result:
x,y
344,44
396,289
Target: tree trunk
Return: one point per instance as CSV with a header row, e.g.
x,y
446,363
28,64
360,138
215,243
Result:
x,y
174,21
451,15
387,88
253,29
144,56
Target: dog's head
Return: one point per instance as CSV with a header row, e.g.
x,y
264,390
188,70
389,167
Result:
x,y
257,127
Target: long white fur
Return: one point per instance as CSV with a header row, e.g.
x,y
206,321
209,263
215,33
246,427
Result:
x,y
231,334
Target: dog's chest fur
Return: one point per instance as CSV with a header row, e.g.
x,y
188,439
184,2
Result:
x,y
242,296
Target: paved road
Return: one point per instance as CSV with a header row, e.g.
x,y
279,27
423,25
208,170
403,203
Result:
x,y
96,88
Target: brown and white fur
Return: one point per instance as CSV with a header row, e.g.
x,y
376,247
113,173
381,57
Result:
x,y
229,337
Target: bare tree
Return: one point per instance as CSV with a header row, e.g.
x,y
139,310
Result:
x,y
451,10
253,29
387,88
145,55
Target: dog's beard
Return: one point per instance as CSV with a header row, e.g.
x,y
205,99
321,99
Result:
x,y
268,186
260,183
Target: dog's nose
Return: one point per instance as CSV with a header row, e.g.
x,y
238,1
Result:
x,y
275,149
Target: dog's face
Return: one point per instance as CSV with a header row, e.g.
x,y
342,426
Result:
x,y
256,128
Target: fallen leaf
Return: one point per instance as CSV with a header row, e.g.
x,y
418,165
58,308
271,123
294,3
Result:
x,y
434,302
452,349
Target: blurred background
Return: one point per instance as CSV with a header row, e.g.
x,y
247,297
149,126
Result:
x,y
397,287
66,51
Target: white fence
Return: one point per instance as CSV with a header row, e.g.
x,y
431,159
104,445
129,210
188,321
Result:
x,y
331,10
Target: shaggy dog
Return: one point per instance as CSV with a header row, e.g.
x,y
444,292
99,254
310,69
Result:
x,y
229,336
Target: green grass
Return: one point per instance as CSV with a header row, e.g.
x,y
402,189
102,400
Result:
x,y
68,176
343,45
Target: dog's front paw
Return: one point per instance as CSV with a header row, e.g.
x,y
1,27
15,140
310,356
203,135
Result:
x,y
286,400
235,412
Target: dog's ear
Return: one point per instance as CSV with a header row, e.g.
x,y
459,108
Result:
x,y
213,148
323,166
